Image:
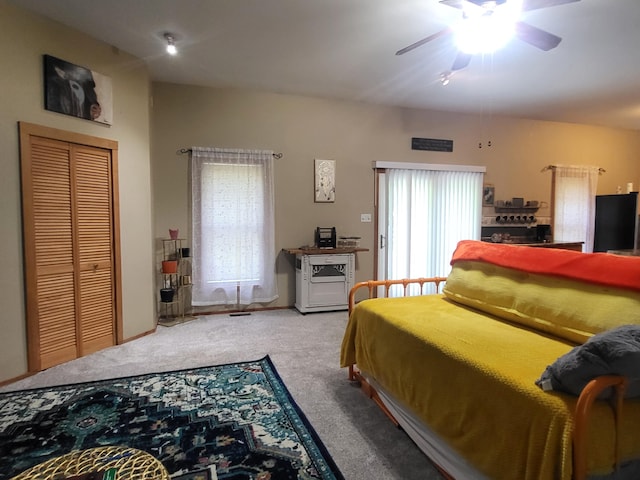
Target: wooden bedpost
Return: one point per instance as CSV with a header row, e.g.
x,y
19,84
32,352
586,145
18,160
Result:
x,y
581,418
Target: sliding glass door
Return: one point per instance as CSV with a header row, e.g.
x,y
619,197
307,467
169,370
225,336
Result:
x,y
423,212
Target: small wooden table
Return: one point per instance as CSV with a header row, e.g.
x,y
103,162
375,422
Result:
x,y
324,277
322,251
131,464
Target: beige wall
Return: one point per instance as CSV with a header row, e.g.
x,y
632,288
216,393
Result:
x,y
26,38
153,179
355,134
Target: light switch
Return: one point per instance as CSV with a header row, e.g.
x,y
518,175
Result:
x,y
365,217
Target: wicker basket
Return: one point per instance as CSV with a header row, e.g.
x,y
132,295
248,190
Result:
x,y
130,464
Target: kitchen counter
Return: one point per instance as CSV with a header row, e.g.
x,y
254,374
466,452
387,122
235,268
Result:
x,y
577,246
630,252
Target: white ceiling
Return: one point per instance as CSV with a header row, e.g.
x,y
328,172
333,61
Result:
x,y
345,49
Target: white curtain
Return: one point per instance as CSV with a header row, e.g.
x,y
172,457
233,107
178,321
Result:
x,y
232,227
574,209
428,213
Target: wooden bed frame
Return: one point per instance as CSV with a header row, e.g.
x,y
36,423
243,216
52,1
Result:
x,y
583,407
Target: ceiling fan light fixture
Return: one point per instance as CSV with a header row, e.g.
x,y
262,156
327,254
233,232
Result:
x,y
489,28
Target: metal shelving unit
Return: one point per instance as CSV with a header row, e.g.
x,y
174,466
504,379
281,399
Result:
x,y
179,309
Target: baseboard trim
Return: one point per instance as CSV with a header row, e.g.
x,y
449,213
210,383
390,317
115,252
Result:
x,y
248,310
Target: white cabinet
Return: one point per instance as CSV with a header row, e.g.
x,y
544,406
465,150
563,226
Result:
x,y
323,281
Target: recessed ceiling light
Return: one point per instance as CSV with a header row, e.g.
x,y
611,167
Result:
x,y
171,44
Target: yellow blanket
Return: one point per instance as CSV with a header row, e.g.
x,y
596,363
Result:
x,y
470,377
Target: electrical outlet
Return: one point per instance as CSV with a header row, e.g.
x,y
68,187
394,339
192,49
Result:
x,y
365,217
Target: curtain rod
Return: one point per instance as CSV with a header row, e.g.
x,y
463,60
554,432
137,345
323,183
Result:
x,y
182,151
553,167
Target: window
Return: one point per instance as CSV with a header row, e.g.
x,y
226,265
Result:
x,y
574,204
233,227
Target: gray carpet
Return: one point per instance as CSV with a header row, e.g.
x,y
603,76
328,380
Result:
x,y
305,350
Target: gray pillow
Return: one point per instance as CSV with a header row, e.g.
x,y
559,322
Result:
x,y
614,352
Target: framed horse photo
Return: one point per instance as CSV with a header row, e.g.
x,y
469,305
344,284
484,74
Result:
x,y
77,91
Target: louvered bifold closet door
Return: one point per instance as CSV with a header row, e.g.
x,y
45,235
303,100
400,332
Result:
x,y
69,251
52,303
94,229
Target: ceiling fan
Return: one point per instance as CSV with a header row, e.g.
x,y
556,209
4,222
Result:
x,y
485,9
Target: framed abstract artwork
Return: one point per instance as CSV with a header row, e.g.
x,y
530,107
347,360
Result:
x,y
325,181
488,195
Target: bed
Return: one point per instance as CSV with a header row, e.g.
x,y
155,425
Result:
x,y
463,370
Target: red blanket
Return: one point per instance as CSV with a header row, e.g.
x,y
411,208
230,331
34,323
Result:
x,y
599,268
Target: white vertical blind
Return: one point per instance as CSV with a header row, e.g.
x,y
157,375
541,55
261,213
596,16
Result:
x,y
233,225
428,213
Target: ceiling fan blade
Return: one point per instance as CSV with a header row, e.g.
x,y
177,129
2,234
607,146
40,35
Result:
x,y
537,37
526,4
419,43
538,4
461,61
453,3
466,4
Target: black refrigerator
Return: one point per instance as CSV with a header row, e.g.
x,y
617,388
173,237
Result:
x,y
616,222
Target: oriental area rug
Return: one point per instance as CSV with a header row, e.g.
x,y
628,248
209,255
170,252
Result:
x,y
235,421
